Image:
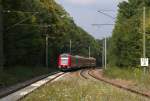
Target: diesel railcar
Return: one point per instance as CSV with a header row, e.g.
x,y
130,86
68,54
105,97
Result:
x,y
68,62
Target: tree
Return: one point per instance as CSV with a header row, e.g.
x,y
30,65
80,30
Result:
x,y
27,39
126,41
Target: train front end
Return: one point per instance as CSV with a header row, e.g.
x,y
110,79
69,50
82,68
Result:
x,y
64,62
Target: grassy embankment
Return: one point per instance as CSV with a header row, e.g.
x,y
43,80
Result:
x,y
141,80
14,75
81,90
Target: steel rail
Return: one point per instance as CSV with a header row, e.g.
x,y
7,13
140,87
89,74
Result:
x,y
82,74
118,85
42,85
12,89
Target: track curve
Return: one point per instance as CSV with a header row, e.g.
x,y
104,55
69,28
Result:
x,y
82,73
94,75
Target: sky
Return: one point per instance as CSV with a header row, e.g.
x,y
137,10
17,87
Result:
x,y
85,14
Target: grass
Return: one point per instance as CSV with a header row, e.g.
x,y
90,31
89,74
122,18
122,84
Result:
x,y
141,80
14,75
81,90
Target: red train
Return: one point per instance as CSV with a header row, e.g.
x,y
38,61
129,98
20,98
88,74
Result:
x,y
67,62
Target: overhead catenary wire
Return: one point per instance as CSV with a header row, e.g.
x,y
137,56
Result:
x,y
104,52
21,21
107,15
102,24
35,25
14,11
105,24
107,10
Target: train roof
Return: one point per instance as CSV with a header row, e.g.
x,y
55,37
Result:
x,y
66,54
84,57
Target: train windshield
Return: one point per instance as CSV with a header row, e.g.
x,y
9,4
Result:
x,y
64,59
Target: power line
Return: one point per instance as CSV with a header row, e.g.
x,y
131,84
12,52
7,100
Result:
x,y
13,11
35,25
104,53
107,15
103,24
21,21
104,10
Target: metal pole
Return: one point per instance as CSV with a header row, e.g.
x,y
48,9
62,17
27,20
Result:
x,y
46,50
70,46
144,32
144,37
1,37
89,51
102,58
105,53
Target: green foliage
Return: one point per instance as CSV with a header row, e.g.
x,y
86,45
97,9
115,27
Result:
x,y
24,43
126,44
123,73
19,74
135,75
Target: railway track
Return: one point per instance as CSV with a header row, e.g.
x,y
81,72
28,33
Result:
x,y
82,73
26,90
95,76
6,91
85,74
90,73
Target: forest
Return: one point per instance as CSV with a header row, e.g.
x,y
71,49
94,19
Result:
x,y
126,43
25,26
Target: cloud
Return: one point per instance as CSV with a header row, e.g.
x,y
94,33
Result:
x,y
82,2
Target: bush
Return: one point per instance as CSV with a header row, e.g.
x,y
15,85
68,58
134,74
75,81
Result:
x,y
135,74
14,75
